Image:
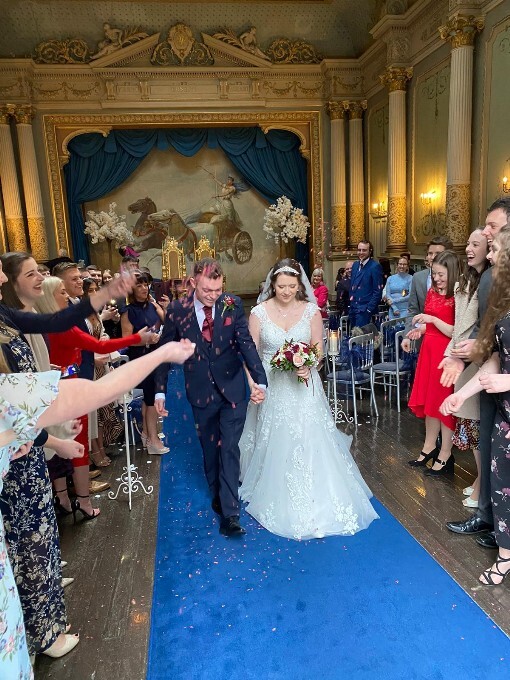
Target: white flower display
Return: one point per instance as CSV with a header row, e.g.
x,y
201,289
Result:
x,y
107,226
283,221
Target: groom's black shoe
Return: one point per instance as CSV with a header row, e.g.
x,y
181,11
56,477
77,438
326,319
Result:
x,y
216,505
487,540
473,525
230,526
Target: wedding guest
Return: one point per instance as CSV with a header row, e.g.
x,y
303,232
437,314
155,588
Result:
x,y
320,290
397,290
43,269
467,421
366,286
494,378
342,287
143,311
106,276
422,282
435,324
498,216
298,476
407,255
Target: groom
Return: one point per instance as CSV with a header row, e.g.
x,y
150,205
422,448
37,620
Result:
x,y
215,381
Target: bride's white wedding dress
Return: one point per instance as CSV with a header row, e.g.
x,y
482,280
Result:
x,y
298,476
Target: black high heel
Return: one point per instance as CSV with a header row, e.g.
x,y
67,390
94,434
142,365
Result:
x,y
428,456
447,467
488,573
75,507
59,508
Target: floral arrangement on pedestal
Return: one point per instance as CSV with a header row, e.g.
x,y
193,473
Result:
x,y
108,226
284,222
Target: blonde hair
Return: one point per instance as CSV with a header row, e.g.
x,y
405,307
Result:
x,y
47,304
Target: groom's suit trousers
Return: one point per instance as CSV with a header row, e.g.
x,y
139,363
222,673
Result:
x,y
219,428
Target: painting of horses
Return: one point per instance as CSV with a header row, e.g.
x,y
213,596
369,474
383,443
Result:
x,y
187,198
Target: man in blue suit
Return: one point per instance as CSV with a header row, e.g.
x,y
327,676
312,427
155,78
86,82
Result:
x,y
367,284
215,381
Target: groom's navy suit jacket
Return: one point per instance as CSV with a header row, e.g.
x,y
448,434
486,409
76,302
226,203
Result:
x,y
215,366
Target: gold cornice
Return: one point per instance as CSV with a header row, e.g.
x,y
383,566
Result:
x,y
59,129
336,110
461,30
396,77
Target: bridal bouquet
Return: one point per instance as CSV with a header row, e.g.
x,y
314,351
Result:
x,y
107,226
292,355
283,221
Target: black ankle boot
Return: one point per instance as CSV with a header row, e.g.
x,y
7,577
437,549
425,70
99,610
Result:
x,y
428,456
447,467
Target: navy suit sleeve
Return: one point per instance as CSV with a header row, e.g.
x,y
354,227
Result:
x,y
169,334
28,322
377,288
247,347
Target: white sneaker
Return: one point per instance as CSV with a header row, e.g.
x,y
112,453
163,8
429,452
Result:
x,y
468,491
469,503
67,582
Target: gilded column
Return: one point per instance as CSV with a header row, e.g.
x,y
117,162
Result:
x,y
461,31
395,78
336,112
356,181
14,222
31,184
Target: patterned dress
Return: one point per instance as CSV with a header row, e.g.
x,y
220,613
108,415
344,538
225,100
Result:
x,y
299,478
28,397
500,449
26,504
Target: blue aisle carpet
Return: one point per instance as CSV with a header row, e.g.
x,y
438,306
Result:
x,y
372,606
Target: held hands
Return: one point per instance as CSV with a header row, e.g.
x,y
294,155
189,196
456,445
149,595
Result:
x,y
451,404
463,349
494,382
452,368
257,395
22,451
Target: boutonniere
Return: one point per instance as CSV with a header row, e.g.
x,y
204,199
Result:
x,y
228,304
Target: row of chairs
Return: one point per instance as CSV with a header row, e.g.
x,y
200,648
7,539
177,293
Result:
x,y
354,368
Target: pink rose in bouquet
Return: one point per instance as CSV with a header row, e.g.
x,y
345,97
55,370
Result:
x,y
294,355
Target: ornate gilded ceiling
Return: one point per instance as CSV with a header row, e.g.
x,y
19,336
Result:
x,y
337,28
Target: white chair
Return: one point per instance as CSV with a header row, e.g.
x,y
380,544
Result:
x,y
359,374
394,370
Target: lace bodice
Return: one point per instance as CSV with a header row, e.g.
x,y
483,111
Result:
x,y
272,336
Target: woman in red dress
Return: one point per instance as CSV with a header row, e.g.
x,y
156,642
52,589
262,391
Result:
x,y
320,290
65,350
436,325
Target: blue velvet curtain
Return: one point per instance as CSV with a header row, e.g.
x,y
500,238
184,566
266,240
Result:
x,y
270,162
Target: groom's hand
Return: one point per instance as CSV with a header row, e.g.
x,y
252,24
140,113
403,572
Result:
x,y
257,394
159,405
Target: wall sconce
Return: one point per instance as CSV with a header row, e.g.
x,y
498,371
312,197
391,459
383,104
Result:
x,y
428,197
379,209
504,185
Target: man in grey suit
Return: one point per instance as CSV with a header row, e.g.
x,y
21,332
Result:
x,y
482,522
421,283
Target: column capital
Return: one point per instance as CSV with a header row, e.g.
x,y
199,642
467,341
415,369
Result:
x,y
6,112
395,77
461,30
24,114
335,110
355,108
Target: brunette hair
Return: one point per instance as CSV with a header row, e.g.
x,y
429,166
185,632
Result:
x,y
499,299
441,241
451,262
11,264
502,203
62,267
87,282
296,273
470,277
208,267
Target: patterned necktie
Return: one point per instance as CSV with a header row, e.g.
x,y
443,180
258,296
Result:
x,y
208,325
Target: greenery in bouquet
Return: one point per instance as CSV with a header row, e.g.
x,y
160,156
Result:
x,y
283,221
107,226
293,355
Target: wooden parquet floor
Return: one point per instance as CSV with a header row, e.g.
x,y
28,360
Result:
x,y
112,558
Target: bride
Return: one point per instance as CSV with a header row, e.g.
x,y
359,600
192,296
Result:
x,y
298,476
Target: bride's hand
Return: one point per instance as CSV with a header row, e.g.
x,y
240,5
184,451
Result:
x,y
303,372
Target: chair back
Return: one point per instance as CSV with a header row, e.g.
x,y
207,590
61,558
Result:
x,y
344,327
173,265
204,249
388,331
361,352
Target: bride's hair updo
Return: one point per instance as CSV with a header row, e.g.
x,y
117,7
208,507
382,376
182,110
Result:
x,y
291,268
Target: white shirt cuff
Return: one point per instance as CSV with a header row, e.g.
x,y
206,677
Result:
x,y
160,395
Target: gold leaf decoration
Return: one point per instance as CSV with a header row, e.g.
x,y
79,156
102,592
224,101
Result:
x,y
287,51
70,51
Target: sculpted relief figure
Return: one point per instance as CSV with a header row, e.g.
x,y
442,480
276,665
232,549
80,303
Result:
x,y
248,42
115,38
